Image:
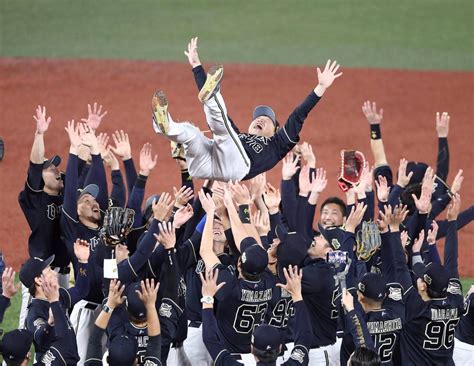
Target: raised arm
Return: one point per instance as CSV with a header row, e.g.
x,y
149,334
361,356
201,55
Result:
x,y
442,163
451,246
42,125
206,251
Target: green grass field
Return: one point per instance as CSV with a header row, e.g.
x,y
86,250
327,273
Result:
x,y
423,34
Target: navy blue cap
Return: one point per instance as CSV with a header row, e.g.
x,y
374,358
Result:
x,y
16,344
264,110
135,306
32,268
254,258
266,338
435,276
292,249
92,189
333,234
122,350
373,286
55,160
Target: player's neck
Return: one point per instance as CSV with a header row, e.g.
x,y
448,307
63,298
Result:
x,y
424,296
51,192
218,247
89,223
368,308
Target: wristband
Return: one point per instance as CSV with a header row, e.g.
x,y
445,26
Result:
x,y
107,309
244,214
207,300
375,133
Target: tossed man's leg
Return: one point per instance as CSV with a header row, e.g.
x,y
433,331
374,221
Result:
x,y
197,147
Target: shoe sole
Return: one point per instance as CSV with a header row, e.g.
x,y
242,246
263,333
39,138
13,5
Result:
x,y
214,77
177,151
159,104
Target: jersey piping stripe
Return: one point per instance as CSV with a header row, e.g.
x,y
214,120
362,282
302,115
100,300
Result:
x,y
167,298
218,355
60,355
194,252
288,137
228,128
131,267
34,190
64,211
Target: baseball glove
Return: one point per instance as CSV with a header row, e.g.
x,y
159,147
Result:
x,y
352,163
368,240
117,225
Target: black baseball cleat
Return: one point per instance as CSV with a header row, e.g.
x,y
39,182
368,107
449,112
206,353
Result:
x,y
214,77
159,104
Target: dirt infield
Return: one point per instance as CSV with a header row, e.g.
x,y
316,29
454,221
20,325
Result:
x,y
410,100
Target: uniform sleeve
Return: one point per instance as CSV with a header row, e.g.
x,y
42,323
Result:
x,y
94,348
451,250
394,196
135,199
388,267
97,176
130,173
188,253
118,193
80,289
356,326
303,332
83,173
228,276
289,202
288,136
464,218
310,283
402,273
370,201
29,197
153,351
60,320
43,333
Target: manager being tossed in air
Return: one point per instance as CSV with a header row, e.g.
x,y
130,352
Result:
x,y
231,155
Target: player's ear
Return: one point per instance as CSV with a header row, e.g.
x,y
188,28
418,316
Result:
x,y
38,281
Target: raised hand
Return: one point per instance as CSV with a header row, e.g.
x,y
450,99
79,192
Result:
x,y
355,217
404,238
308,155
398,216
50,287
122,145
103,144
115,297
8,283
383,190
95,117
418,242
432,233
257,185
454,207
42,122
147,161
209,282
182,197
290,166
111,160
240,193
261,221
457,182
370,112
403,178
167,235
182,216
385,218
88,138
74,134
272,198
347,300
305,180
423,203
293,277
207,202
162,209
365,177
148,293
328,75
81,250
192,53
442,124
319,181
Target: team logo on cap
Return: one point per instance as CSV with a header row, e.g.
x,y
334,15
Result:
x,y
165,310
361,287
244,257
335,243
427,279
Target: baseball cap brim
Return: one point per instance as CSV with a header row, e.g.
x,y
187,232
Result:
x,y
55,160
91,189
32,269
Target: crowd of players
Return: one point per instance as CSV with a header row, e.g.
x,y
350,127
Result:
x,y
237,272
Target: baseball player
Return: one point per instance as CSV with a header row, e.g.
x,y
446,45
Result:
x,y
433,312
251,153
41,201
245,299
15,347
464,335
34,273
266,342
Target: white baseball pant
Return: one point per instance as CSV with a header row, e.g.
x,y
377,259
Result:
x,y
463,353
327,355
195,348
221,158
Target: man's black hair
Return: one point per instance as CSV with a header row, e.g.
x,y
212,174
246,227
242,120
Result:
x,y
364,356
266,356
337,201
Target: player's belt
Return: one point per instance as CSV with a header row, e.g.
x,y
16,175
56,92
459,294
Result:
x,y
91,305
195,324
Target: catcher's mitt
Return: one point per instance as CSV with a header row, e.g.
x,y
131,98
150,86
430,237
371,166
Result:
x,y
352,163
117,225
368,240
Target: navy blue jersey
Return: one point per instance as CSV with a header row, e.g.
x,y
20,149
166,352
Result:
x,y
428,335
63,350
322,298
384,327
281,313
42,211
465,328
4,304
264,153
242,306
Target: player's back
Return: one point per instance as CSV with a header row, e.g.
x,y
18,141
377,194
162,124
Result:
x,y
242,306
428,335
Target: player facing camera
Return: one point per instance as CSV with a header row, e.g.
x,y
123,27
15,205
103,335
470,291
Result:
x,y
117,225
